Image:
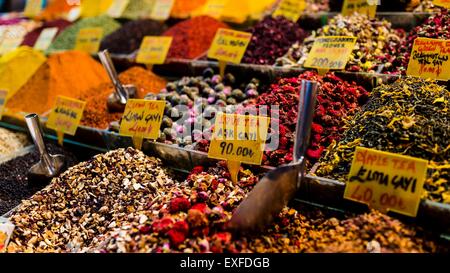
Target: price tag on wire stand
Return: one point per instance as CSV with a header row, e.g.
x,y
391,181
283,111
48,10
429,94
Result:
x,y
386,181
238,139
117,8
368,7
442,3
33,8
228,46
430,58
65,116
154,50
3,98
142,120
46,38
88,39
290,9
330,53
161,9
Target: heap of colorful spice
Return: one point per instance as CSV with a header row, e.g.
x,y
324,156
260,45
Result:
x,y
32,36
70,73
192,38
409,117
96,113
337,100
271,39
376,39
192,216
11,142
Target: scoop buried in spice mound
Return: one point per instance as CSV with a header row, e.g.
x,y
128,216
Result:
x,y
409,117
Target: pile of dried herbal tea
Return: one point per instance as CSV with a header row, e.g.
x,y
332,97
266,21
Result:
x,y
376,38
409,117
86,201
192,216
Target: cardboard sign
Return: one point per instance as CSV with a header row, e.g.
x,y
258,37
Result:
x,y
330,52
154,50
6,231
46,38
239,138
229,45
33,8
3,98
368,7
290,9
142,120
161,9
88,39
442,3
430,58
66,115
386,181
117,8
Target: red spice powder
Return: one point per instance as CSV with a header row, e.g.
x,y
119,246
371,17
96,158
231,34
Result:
x,y
192,38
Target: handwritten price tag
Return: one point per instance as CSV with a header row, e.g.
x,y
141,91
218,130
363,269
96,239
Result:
x,y
88,40
368,7
65,116
6,231
442,3
117,8
3,97
161,9
33,8
142,119
290,9
45,38
330,52
154,50
229,45
430,59
386,181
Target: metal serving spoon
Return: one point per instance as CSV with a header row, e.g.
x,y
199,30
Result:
x,y
49,165
117,100
279,186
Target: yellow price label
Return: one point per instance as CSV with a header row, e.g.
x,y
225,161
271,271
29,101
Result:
x,y
368,7
117,8
88,40
66,115
386,181
239,138
45,38
33,8
229,45
154,50
3,98
290,9
142,118
442,3
330,52
161,9
430,59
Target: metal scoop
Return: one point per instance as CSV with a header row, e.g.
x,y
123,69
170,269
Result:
x,y
50,165
279,186
117,100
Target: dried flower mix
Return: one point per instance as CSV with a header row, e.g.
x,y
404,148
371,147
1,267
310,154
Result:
x,y
70,73
86,201
337,100
11,142
409,117
192,38
191,218
375,40
129,37
96,111
271,39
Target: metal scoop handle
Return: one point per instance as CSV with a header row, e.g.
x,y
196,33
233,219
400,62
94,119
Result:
x,y
34,126
121,92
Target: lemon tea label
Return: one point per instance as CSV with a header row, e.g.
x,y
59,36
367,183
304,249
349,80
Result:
x,y
154,50
229,45
88,40
66,115
386,181
330,52
290,9
430,58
